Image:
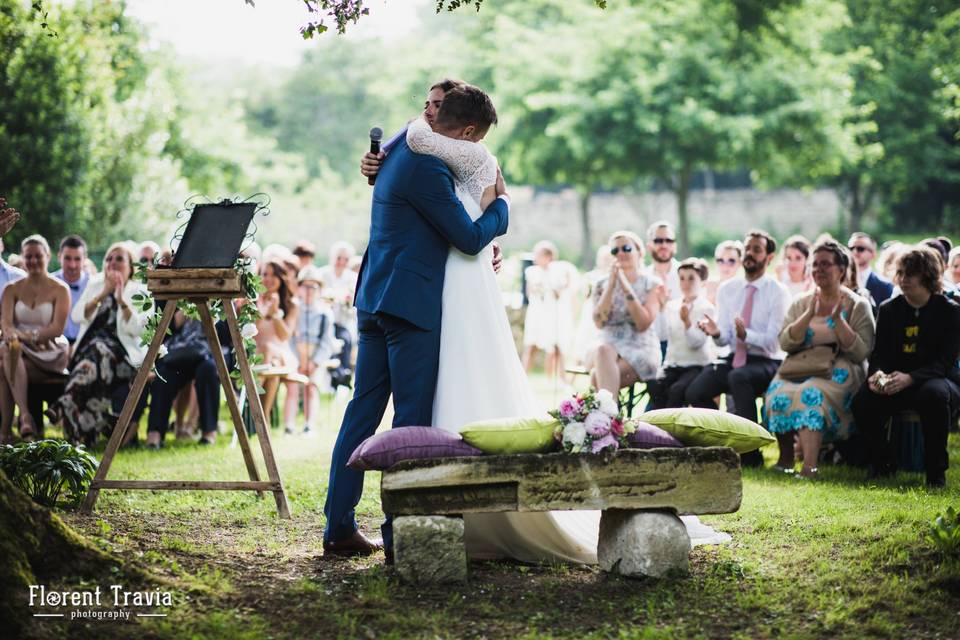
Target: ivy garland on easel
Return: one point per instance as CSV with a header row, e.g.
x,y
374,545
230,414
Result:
x,y
247,313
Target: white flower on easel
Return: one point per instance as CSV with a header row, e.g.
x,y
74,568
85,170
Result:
x,y
248,331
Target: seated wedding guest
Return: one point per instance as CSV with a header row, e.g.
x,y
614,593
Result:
x,y
107,351
662,245
728,257
750,312
279,312
305,252
688,348
953,267
586,336
625,305
340,282
864,251
942,245
72,254
887,260
8,272
827,335
34,314
794,269
355,263
913,365
278,317
547,324
315,345
147,251
188,359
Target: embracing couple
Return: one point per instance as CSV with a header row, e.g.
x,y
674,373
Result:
x,y
433,329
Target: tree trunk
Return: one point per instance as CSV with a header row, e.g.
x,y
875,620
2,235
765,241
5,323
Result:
x,y
859,200
586,239
36,547
682,191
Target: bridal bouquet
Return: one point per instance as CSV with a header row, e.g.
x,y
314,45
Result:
x,y
591,422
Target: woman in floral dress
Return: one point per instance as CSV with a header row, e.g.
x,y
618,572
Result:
x,y
108,348
819,408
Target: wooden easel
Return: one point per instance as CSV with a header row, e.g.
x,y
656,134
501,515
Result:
x,y
198,286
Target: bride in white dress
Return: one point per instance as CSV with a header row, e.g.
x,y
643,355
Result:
x,y
480,376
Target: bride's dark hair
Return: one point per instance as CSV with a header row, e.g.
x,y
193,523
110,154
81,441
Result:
x,y
466,105
447,84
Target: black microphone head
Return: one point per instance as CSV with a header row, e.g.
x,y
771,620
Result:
x,y
376,134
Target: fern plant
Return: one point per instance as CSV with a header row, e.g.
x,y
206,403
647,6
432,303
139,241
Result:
x,y
48,470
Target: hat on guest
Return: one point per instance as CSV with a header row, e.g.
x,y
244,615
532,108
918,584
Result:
x,y
310,273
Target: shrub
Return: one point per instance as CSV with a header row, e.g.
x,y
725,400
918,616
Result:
x,y
46,469
944,532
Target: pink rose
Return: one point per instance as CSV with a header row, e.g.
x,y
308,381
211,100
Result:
x,y
616,427
569,408
603,443
597,424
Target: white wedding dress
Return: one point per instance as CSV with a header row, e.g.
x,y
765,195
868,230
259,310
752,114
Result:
x,y
480,376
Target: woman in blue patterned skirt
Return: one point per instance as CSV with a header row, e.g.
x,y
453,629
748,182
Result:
x,y
819,408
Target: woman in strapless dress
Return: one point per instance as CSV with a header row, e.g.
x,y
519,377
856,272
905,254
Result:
x,y
279,311
33,315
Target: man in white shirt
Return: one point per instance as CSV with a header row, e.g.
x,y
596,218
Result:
x,y
662,247
72,254
750,313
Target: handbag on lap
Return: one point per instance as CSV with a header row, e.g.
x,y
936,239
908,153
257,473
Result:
x,y
815,361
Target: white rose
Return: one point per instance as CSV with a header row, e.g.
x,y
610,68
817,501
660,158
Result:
x,y
574,434
163,351
248,330
608,404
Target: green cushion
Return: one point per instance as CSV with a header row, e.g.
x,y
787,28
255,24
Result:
x,y
709,428
511,435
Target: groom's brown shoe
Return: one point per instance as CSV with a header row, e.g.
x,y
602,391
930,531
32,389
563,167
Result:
x,y
356,545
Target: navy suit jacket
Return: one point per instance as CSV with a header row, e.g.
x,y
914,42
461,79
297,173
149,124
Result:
x,y
415,217
880,288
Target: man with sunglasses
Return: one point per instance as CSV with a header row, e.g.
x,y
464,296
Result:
x,y
662,246
864,250
750,313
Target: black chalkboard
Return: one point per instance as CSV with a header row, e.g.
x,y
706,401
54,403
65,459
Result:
x,y
214,235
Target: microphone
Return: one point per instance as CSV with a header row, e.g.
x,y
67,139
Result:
x,y
376,135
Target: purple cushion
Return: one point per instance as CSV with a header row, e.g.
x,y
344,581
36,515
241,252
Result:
x,y
383,450
648,436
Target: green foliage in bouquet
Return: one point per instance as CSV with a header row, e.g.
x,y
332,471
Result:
x,y
591,422
49,469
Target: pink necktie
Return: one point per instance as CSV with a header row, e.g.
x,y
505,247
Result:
x,y
740,355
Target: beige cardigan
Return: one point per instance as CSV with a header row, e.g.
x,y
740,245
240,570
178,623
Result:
x,y
860,320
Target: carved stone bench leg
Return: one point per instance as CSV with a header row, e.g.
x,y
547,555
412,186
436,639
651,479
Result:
x,y
642,543
429,549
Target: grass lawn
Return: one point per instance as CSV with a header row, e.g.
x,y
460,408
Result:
x,y
838,557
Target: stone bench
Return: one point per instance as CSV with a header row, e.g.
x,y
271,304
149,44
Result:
x,y
640,492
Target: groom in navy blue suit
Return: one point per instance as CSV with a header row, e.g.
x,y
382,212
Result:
x,y
415,218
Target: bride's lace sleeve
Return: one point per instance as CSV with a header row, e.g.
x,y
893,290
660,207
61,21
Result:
x,y
472,165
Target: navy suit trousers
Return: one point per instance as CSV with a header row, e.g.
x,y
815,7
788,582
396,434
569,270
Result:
x,y
394,357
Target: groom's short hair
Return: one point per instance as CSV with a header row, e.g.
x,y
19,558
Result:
x,y
464,106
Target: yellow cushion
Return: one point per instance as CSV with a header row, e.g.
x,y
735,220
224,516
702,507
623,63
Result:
x,y
709,428
511,435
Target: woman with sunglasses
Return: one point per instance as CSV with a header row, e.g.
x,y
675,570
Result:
x,y
626,304
728,257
